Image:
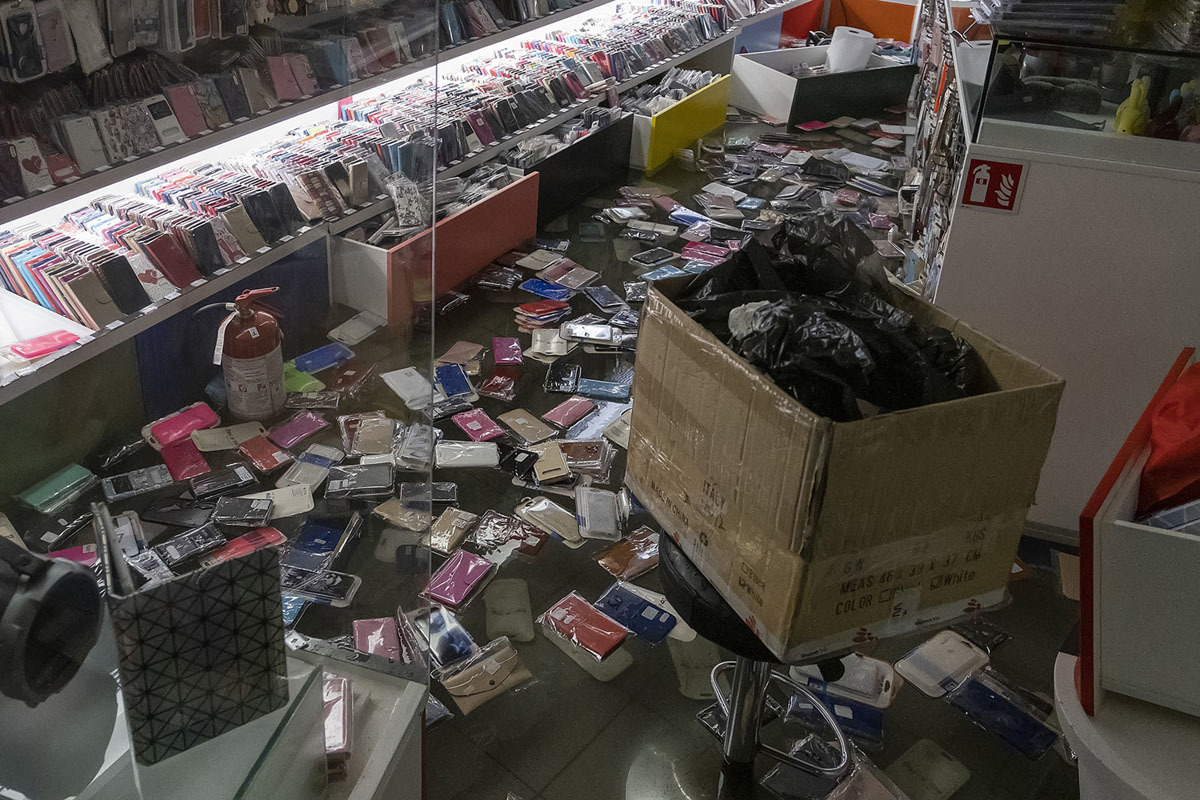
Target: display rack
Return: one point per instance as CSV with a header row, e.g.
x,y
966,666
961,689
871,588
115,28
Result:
x,y
161,156
20,382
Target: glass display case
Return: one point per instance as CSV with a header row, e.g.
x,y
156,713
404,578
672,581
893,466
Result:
x,y
1103,87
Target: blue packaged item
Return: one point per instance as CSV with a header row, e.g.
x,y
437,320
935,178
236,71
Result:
x,y
636,613
453,380
605,390
999,709
858,721
546,289
324,357
312,548
663,272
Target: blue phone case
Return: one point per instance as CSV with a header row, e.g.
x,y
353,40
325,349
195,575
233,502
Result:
x,y
543,288
453,380
636,613
663,272
324,357
605,390
983,701
859,721
312,547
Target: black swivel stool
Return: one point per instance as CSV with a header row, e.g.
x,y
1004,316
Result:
x,y
701,606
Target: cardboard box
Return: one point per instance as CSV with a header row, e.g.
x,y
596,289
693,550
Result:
x,y
763,84
824,534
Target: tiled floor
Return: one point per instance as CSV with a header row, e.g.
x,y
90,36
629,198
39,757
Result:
x,y
568,736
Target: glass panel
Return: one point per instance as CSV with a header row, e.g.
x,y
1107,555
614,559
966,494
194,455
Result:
x,y
192,317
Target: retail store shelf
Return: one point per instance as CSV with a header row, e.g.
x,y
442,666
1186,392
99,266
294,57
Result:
x,y
166,155
125,329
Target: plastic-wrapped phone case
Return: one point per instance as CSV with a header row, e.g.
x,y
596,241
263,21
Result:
x,y
467,454
1000,709
597,513
581,623
403,515
360,480
378,637
645,619
484,676
311,467
477,425
297,428
941,663
501,384
633,557
368,433
449,641
570,411
173,427
506,350
450,529
456,580
550,517
858,721
526,425
264,454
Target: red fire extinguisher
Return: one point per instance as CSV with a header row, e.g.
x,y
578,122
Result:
x,y
250,352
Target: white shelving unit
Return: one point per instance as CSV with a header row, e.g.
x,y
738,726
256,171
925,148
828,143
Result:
x,y
1092,275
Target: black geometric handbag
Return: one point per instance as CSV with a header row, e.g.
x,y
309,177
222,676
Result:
x,y
201,654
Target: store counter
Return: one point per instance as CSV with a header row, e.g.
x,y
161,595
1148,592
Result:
x,y
1131,749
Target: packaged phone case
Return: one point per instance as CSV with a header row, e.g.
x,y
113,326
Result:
x,y
265,455
467,454
570,411
181,547
645,619
550,467
491,672
506,350
632,557
173,427
184,460
449,641
297,428
456,581
449,530
509,612
403,515
598,514
209,440
360,480
986,699
579,622
378,637
324,357
526,425
545,514
222,481
941,663
311,467
326,587
288,501
477,425
561,377
501,384
243,545
241,512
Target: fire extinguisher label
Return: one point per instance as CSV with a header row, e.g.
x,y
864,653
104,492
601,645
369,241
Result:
x,y
255,385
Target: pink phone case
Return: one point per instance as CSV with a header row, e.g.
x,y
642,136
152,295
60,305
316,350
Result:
x,y
183,102
378,637
184,460
302,72
296,428
477,425
506,350
180,426
569,411
282,78
44,345
453,583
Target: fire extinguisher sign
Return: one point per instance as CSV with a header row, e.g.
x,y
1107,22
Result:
x,y
992,184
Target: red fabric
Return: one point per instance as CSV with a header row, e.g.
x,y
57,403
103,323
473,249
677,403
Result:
x,y
1172,475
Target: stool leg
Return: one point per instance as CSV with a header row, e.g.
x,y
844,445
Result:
x,y
745,710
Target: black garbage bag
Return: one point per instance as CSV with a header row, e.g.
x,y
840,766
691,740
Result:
x,y
828,354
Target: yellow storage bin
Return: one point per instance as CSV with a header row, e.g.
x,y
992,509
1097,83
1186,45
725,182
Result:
x,y
656,138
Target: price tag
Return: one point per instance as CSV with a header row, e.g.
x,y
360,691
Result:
x,y
71,179
243,260
264,249
198,282
286,238
116,323
158,149
172,295
85,339
204,132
